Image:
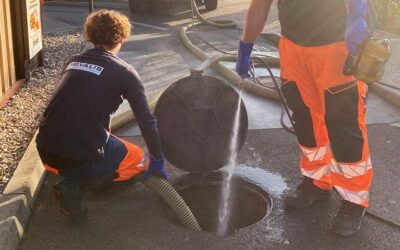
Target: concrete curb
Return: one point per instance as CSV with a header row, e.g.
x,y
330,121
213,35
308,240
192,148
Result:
x,y
14,215
21,192
19,196
28,176
97,5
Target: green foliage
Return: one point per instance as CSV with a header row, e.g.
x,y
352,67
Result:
x,y
387,8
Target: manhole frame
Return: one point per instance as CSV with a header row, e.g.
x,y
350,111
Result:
x,y
190,179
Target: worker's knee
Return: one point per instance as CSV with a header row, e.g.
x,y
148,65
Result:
x,y
342,122
301,114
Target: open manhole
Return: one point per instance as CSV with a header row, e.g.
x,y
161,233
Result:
x,y
249,203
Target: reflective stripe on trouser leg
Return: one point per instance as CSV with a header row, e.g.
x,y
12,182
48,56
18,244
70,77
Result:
x,y
311,134
345,120
353,181
318,74
133,163
315,163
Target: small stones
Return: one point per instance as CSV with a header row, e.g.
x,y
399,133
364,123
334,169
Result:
x,y
20,117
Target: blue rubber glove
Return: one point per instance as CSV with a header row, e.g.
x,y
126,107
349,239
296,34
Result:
x,y
357,31
156,167
243,61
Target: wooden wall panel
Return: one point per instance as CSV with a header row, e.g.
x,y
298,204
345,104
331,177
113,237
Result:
x,y
7,65
10,48
2,67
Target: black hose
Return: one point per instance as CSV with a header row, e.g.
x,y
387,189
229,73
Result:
x,y
283,101
368,212
382,219
214,47
284,104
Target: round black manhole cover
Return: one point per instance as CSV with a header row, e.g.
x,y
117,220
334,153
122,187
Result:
x,y
195,117
249,203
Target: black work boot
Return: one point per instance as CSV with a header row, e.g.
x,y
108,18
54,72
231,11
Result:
x,y
102,184
348,220
305,194
70,194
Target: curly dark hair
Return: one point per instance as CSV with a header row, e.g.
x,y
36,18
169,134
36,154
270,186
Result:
x,y
107,28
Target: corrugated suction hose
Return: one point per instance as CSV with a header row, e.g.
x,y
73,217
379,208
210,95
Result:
x,y
222,24
169,195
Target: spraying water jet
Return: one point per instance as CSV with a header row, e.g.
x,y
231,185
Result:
x,y
203,125
225,202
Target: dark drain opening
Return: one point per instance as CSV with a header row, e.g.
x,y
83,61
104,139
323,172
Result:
x,y
248,205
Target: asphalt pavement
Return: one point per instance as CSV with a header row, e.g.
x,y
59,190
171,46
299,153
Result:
x,y
132,218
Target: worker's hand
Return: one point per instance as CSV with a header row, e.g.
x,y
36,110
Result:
x,y
156,167
243,59
357,31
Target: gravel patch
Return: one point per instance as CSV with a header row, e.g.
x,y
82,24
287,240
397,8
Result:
x,y
20,117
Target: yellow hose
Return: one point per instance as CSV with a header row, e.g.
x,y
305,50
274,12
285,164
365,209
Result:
x,y
222,69
162,187
228,73
169,195
223,24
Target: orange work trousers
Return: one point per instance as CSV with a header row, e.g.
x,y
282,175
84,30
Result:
x,y
329,113
122,160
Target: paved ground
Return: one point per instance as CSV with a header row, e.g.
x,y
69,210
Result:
x,y
132,219
392,72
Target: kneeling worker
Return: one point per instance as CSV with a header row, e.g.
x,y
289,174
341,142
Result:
x,y
74,139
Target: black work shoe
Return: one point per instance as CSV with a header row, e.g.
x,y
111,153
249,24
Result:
x,y
103,184
348,220
69,195
305,194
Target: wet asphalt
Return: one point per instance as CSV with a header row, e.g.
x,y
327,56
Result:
x,y
132,218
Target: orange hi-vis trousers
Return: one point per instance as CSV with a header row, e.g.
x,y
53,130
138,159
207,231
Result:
x,y
329,113
122,160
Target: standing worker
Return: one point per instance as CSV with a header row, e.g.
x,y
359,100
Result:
x,y
74,139
328,107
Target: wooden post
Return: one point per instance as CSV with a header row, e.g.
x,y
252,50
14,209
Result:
x,y
7,66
